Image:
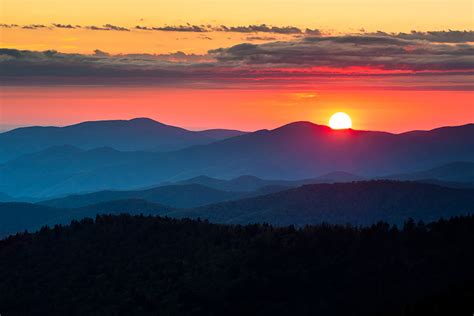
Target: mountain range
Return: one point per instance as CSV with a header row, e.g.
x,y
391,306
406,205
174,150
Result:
x,y
356,203
185,195
125,135
295,151
455,172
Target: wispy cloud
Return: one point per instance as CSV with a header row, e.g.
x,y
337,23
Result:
x,y
260,38
433,36
262,28
176,28
66,26
34,26
8,26
107,27
449,36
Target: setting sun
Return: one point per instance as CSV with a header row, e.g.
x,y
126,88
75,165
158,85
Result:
x,y
340,120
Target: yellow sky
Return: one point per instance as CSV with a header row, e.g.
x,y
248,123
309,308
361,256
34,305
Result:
x,y
136,41
333,16
389,15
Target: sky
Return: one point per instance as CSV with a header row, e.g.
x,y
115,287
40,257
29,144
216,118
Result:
x,y
391,65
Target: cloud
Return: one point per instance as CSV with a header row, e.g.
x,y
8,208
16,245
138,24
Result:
x,y
8,26
382,52
176,28
65,26
100,53
313,32
449,36
34,26
308,59
107,27
433,36
262,28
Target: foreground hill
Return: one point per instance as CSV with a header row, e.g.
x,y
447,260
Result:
x,y
135,134
294,151
155,266
357,203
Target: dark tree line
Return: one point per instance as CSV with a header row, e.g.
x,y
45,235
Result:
x,y
136,265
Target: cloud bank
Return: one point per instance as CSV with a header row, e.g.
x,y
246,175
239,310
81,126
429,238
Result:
x,y
446,56
381,52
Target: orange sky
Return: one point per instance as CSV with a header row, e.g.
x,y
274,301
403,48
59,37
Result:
x,y
394,111
152,42
388,102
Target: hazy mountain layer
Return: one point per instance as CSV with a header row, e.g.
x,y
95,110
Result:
x,y
357,203
296,151
136,134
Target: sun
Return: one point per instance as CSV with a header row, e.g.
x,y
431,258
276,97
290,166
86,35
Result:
x,y
340,120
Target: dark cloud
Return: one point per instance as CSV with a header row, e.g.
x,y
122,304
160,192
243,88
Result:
x,y
313,32
311,58
384,52
116,28
96,28
64,26
34,26
107,27
437,36
100,53
9,26
145,28
431,36
176,28
262,28
33,63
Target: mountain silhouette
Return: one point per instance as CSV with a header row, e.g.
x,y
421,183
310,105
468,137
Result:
x,y
188,195
457,172
295,151
252,183
356,203
127,135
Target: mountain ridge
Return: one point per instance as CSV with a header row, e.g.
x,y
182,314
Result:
x,y
125,135
292,152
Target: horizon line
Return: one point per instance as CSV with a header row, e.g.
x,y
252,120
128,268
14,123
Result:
x,y
15,127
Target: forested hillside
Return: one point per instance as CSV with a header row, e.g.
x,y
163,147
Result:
x,y
124,265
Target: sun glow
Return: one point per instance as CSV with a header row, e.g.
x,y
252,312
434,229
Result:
x,y
340,120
